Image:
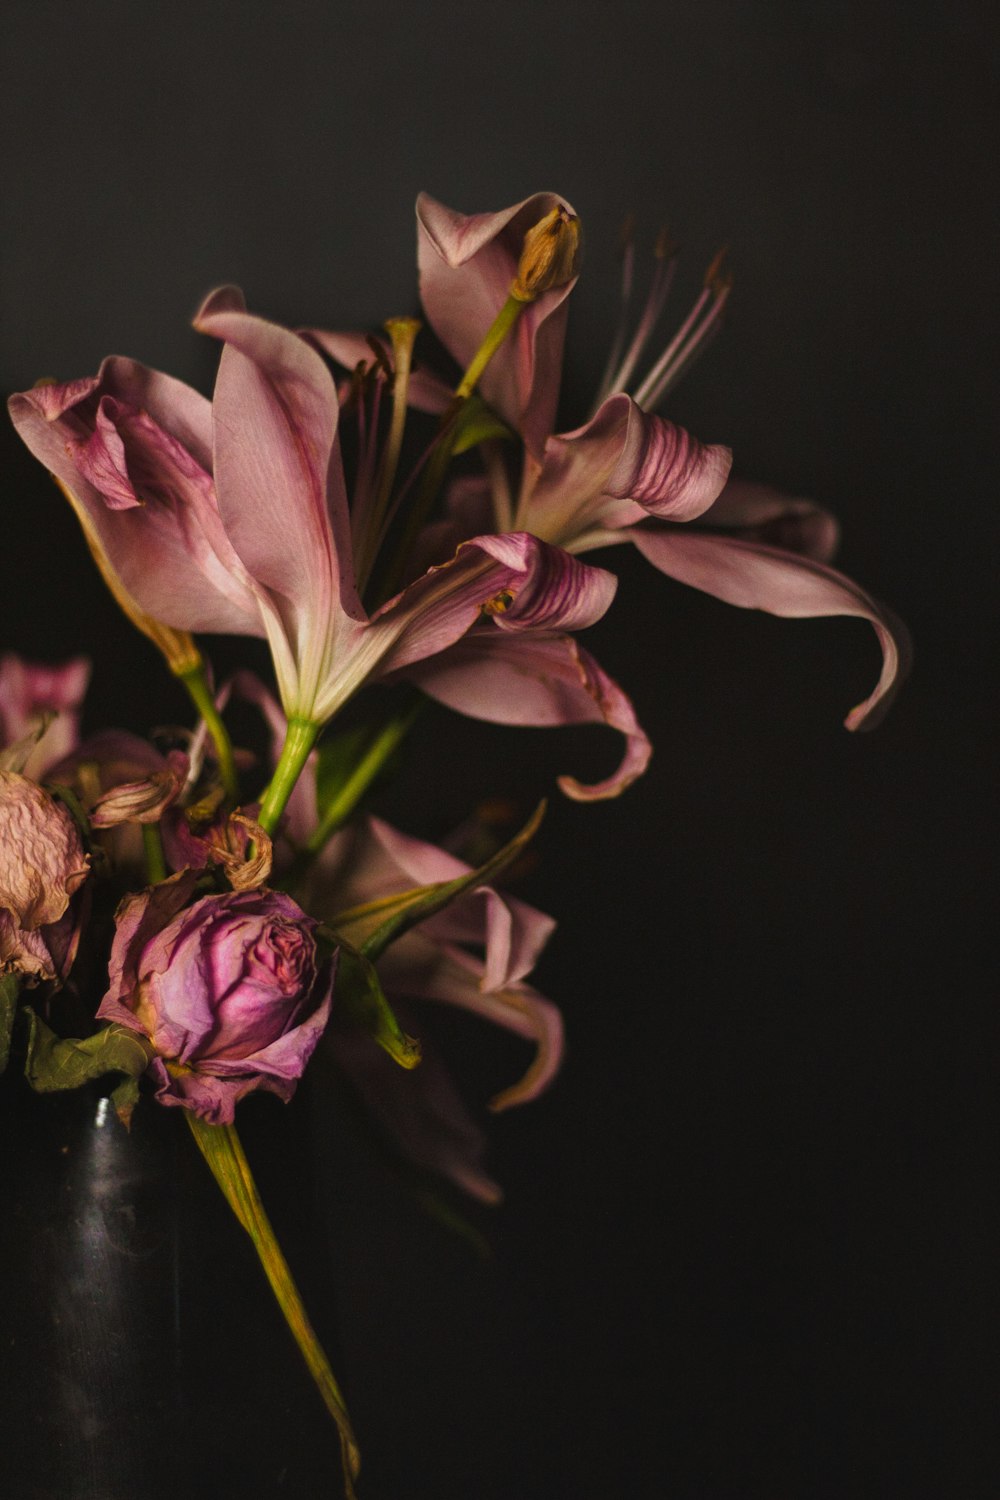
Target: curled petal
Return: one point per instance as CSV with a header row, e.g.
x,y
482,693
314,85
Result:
x,y
143,801
243,870
281,489
538,679
513,583
382,860
622,464
663,468
762,514
468,264
754,576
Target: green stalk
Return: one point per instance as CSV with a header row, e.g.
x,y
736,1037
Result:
x,y
440,458
299,740
201,696
499,329
152,844
347,798
220,1145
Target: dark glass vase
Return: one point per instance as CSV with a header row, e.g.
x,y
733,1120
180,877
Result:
x,y
143,1356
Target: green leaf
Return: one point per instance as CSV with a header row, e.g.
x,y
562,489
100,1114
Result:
x,y
53,1063
372,927
10,985
477,423
361,997
222,1150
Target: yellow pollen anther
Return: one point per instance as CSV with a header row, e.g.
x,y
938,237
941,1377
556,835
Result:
x,y
499,604
550,255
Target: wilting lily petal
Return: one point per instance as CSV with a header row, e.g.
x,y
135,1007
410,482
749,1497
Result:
x,y
755,576
468,264
432,961
760,513
537,679
132,449
622,464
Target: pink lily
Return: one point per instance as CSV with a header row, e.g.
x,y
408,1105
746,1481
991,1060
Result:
x,y
234,517
628,475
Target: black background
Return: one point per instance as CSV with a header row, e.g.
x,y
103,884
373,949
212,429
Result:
x,y
748,1247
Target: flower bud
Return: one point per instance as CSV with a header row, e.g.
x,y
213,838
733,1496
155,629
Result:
x,y
229,991
550,256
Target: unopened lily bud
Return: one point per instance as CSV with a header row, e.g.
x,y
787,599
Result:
x,y
550,256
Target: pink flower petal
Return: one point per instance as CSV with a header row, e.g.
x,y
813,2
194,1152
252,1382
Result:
x,y
754,576
163,537
467,267
425,391
537,679
455,980
762,514
280,482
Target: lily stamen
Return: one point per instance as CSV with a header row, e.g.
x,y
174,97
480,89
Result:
x,y
689,337
665,254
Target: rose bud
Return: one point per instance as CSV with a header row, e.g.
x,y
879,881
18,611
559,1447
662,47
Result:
x,y
229,991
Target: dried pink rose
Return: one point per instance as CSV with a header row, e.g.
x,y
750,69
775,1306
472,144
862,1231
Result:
x,y
42,861
230,991
42,864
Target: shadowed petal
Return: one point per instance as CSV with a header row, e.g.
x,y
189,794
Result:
x,y
455,979
425,391
419,1110
755,576
762,514
468,264
537,679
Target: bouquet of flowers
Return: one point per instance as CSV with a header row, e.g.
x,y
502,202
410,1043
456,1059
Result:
x,y
376,520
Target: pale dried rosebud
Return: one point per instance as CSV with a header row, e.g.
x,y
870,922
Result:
x,y
550,256
42,861
143,801
247,861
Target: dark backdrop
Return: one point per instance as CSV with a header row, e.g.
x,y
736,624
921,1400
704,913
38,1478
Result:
x,y
748,1246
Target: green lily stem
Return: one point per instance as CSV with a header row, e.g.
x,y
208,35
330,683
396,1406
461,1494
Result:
x,y
347,798
152,845
220,1145
498,331
196,682
299,740
437,464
